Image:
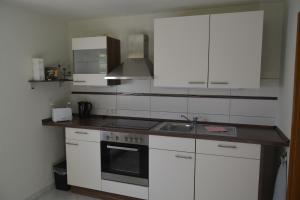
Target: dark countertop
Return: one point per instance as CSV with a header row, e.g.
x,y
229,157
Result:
x,y
265,135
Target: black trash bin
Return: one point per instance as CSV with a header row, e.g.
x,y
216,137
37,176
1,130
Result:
x,y
60,176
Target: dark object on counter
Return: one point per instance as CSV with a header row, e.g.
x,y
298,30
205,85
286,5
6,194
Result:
x,y
84,109
60,176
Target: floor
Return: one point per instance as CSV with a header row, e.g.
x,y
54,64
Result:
x,y
61,195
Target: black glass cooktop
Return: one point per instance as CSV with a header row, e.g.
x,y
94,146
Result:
x,y
131,124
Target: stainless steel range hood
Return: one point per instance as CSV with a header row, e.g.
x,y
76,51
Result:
x,y
137,65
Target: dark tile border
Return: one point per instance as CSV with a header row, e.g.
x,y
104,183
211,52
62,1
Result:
x,y
178,95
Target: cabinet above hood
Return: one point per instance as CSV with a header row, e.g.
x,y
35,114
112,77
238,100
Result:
x,y
137,65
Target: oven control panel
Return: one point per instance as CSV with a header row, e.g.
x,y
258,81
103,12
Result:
x,y
128,138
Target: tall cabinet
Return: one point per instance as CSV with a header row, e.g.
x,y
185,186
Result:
x,y
209,51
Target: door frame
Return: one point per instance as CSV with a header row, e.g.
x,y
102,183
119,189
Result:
x,y
294,163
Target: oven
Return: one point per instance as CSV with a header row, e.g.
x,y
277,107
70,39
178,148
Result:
x,y
125,158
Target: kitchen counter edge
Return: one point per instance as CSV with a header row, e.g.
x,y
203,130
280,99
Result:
x,y
281,141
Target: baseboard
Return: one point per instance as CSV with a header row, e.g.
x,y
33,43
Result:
x,y
40,192
100,194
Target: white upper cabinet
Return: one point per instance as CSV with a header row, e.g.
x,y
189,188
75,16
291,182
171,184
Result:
x,y
93,58
214,51
235,50
89,43
181,51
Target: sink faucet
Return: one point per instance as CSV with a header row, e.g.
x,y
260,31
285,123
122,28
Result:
x,y
194,121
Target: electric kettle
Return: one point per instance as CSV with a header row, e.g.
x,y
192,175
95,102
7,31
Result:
x,y
84,109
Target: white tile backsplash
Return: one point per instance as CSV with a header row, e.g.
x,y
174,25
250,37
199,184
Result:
x,y
103,101
94,88
210,118
169,104
243,111
133,113
106,111
102,104
167,90
254,108
134,86
215,106
167,115
133,103
267,121
269,88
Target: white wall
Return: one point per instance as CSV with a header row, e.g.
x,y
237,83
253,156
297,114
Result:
x,y
243,111
27,149
287,82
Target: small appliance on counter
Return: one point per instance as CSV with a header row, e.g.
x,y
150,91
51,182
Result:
x,y
84,109
61,114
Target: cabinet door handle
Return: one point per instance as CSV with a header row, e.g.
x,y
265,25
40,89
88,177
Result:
x,y
219,82
122,148
81,133
196,82
183,157
73,144
79,81
227,146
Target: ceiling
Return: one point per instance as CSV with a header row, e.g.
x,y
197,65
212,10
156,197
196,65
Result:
x,y
83,9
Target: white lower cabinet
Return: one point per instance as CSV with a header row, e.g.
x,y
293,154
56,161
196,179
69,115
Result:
x,y
179,168
226,177
83,164
171,175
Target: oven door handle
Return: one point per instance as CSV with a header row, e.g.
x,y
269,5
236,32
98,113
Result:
x,y
121,148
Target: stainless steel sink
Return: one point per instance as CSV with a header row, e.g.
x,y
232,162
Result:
x,y
200,129
176,127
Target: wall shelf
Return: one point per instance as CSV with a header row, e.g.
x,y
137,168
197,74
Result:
x,y
60,81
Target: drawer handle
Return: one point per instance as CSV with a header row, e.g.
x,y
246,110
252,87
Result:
x,y
81,133
197,82
122,148
73,144
183,157
227,146
79,81
219,82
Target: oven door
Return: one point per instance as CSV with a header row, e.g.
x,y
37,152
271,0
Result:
x,y
127,163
